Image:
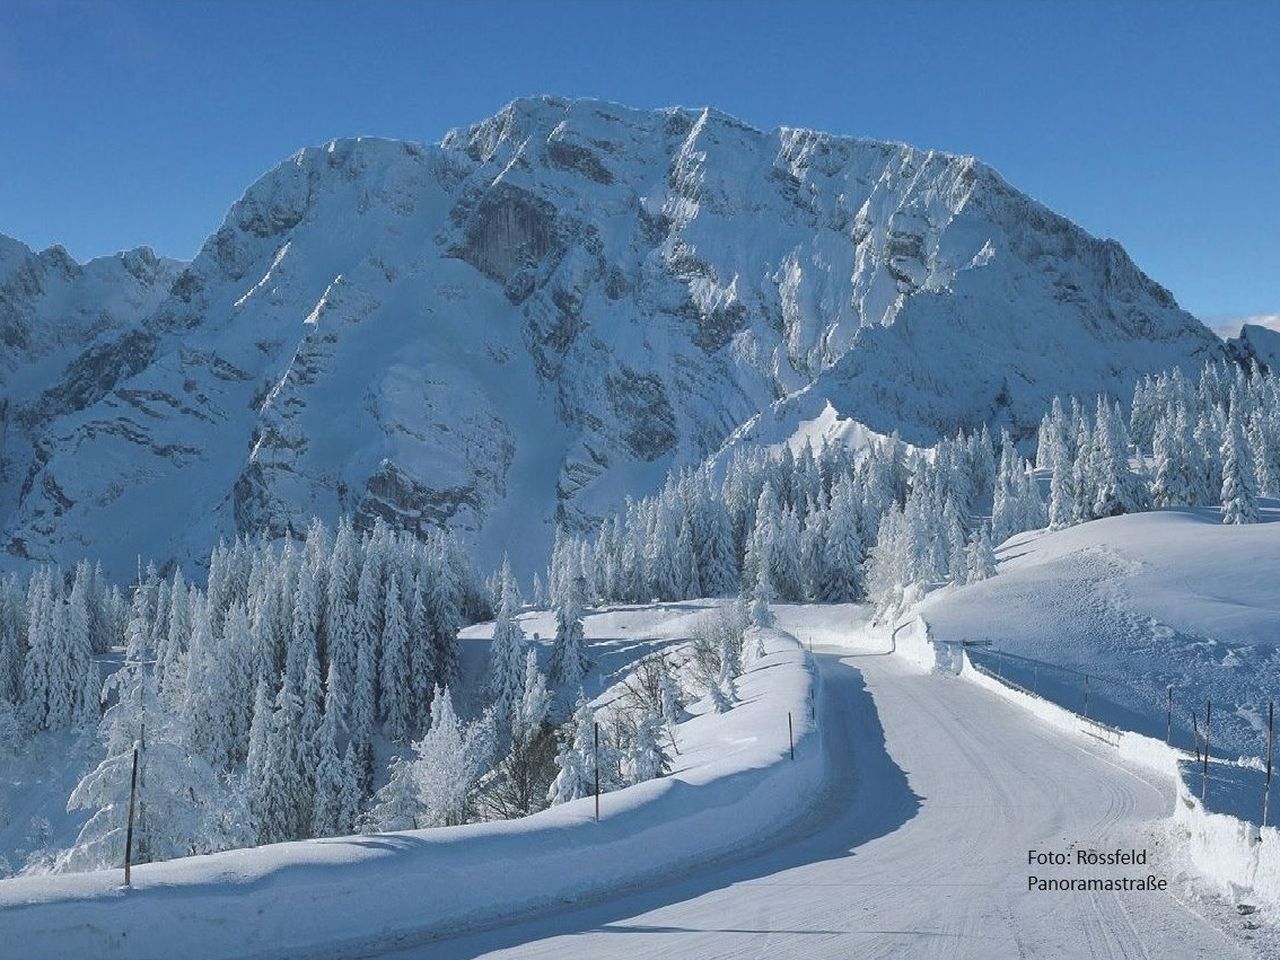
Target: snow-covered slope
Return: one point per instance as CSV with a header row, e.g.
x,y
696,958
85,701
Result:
x,y
1141,603
552,307
68,331
734,785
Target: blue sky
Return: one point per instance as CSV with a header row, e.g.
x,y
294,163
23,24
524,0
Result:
x,y
1156,124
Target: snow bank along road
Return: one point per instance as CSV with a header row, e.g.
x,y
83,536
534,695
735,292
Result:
x,y
939,789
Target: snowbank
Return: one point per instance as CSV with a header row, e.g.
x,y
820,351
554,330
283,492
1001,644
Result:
x,y
1237,858
1140,603
1232,854
734,785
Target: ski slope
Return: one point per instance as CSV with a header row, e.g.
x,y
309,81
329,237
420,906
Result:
x,y
938,790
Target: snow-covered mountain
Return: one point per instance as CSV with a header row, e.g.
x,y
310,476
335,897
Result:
x,y
534,317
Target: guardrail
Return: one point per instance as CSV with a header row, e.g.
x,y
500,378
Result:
x,y
1108,708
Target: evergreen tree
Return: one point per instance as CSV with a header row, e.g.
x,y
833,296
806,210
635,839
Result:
x,y
521,781
1239,497
576,762
181,807
646,759
842,559
397,687
982,558
284,800
505,683
569,654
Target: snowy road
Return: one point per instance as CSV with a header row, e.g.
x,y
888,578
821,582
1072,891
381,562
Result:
x,y
920,850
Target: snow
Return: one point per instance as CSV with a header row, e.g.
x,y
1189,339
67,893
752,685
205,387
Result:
x,y
1134,601
733,786
1139,602
918,848
497,332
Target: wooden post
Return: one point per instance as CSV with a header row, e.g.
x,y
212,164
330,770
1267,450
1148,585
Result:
x,y
597,766
1266,793
128,836
1168,716
791,737
1204,774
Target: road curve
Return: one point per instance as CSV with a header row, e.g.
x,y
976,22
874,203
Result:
x,y
918,850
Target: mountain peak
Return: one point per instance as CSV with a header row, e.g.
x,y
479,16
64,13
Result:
x,y
516,327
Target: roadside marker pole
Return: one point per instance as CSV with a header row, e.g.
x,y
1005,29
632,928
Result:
x,y
1086,695
597,766
1195,730
1266,791
791,737
1204,775
1168,717
128,836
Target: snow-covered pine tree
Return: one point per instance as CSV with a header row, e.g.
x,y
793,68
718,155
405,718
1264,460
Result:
x,y
397,686
645,757
209,698
760,545
336,789
284,800
444,614
451,757
569,660
519,785
577,759
182,808
672,701
363,712
422,650
982,558
396,805
1062,493
505,681
717,563
1239,496
842,557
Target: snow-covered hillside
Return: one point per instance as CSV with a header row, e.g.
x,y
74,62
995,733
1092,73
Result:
x,y
1139,602
733,784
543,313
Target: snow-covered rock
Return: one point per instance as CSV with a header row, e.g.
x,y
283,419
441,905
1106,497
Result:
x,y
545,312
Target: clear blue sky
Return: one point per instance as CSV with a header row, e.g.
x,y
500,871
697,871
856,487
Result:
x,y
1156,124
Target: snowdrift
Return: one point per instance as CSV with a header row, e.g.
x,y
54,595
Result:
x,y
1140,603
734,785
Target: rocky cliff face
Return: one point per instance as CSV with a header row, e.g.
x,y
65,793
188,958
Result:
x,y
546,311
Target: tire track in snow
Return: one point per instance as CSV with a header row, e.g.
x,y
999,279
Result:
x,y
939,788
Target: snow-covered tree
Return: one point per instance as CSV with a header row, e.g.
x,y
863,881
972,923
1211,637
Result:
x,y
1239,496
505,682
645,757
582,751
181,808
397,685
569,660
982,558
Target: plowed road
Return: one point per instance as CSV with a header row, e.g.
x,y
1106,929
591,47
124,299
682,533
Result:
x,y
919,850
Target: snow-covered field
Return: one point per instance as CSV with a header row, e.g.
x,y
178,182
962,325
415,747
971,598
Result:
x,y
733,785
1139,602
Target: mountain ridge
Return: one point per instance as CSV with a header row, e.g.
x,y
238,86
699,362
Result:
x,y
546,311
